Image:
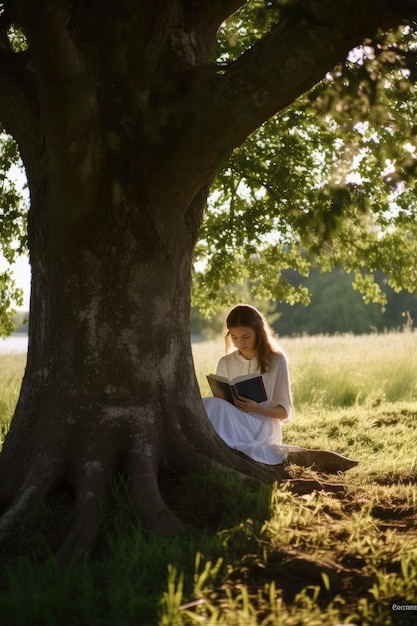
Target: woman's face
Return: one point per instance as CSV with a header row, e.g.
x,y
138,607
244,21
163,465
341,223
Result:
x,y
244,339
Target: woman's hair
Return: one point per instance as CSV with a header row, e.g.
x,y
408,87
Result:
x,y
246,315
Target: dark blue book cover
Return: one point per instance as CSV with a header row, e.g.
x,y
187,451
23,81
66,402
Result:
x,y
250,386
253,388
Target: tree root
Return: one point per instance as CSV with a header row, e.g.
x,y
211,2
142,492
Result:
x,y
28,496
303,486
321,460
91,487
91,481
46,471
188,460
153,512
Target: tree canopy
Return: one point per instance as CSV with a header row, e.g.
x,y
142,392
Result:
x,y
329,180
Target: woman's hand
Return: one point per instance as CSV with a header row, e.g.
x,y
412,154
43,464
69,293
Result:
x,y
250,406
246,405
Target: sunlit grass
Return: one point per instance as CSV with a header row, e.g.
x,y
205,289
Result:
x,y
348,369
11,373
338,371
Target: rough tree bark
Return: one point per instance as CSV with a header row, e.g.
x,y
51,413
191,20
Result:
x,y
122,122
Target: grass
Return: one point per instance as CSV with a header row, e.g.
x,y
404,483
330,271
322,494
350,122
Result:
x,y
11,372
264,556
339,371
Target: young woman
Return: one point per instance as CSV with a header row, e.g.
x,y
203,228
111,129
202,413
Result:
x,y
255,428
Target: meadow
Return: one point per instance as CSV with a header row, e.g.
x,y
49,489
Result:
x,y
265,556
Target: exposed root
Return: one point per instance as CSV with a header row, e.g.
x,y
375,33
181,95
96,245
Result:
x,y
321,460
302,486
329,462
252,473
91,481
24,500
40,479
230,471
152,510
81,538
187,460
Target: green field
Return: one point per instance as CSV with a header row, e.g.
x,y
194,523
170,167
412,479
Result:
x,y
263,556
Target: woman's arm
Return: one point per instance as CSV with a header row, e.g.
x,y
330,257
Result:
x,y
281,394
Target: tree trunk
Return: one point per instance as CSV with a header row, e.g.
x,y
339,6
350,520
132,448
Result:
x,y
109,379
113,222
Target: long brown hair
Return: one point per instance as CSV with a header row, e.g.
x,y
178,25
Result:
x,y
247,315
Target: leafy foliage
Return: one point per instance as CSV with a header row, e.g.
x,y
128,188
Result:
x,y
329,180
12,233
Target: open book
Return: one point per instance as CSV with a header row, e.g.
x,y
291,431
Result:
x,y
250,386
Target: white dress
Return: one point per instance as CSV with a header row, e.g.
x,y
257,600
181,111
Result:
x,y
258,436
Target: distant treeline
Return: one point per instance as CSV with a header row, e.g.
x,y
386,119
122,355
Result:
x,y
21,320
335,308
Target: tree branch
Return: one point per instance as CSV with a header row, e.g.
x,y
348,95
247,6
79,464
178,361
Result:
x,y
205,18
45,25
60,70
68,106
310,39
211,13
16,111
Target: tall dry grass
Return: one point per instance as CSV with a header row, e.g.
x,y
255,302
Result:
x,y
11,372
337,371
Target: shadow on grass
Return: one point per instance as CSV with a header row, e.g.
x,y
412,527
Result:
x,y
306,552
124,578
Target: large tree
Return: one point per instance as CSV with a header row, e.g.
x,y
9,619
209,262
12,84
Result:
x,y
123,117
